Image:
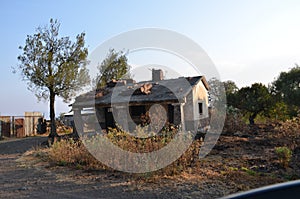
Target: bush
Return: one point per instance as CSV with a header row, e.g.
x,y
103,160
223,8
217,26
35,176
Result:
x,y
284,155
141,145
234,122
73,153
70,152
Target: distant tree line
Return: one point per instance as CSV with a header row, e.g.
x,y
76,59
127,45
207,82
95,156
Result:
x,y
279,100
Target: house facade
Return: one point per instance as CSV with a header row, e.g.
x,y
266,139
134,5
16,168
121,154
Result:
x,y
182,101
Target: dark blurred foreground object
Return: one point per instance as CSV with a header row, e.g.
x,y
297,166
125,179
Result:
x,y
289,190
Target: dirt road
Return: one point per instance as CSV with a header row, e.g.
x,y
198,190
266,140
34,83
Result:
x,y
20,180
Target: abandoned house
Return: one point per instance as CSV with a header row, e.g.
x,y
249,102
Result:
x,y
184,99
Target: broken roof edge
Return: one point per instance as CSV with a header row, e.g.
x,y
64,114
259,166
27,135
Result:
x,y
200,77
205,82
92,103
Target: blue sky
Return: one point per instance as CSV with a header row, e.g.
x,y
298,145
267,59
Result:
x,y
249,41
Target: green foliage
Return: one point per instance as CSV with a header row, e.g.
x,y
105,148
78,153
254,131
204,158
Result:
x,y
230,89
279,111
248,171
287,86
258,102
113,67
284,155
50,62
253,100
53,66
233,168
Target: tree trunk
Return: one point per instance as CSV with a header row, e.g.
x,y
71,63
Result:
x,y
53,134
251,118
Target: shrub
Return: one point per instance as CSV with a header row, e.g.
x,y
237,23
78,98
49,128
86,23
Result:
x,y
141,145
68,152
234,122
248,171
284,155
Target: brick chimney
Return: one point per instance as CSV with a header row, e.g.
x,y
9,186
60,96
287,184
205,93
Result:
x,y
157,75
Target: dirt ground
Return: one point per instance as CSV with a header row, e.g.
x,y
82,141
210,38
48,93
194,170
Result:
x,y
239,162
22,177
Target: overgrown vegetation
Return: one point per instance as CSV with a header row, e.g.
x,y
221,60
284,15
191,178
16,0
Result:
x,y
284,155
113,67
73,153
245,157
278,101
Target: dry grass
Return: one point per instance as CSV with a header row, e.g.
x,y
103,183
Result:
x,y
240,161
141,145
68,152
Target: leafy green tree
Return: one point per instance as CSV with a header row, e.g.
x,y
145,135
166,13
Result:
x,y
253,100
53,66
230,87
231,90
287,88
279,110
113,67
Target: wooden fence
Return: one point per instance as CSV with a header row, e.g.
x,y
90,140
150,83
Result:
x,y
20,126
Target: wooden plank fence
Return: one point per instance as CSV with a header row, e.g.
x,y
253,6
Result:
x,y
20,126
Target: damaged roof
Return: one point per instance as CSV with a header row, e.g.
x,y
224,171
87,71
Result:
x,y
170,90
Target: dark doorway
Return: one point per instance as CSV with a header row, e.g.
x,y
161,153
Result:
x,y
171,113
109,118
136,112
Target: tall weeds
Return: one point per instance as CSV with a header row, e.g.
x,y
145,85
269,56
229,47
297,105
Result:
x,y
74,153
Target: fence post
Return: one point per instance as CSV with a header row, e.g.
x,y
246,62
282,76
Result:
x,y
32,118
12,133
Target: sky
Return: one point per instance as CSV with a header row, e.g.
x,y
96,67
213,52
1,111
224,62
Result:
x,y
248,41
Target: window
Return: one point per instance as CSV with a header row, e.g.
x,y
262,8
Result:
x,y
137,111
200,108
